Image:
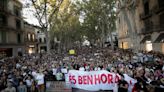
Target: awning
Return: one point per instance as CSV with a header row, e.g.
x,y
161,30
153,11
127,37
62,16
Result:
x,y
146,38
160,38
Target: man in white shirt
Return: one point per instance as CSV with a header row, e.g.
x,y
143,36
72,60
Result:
x,y
40,81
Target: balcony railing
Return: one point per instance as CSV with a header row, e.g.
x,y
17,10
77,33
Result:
x,y
8,28
146,30
158,9
158,28
145,16
12,44
31,40
153,28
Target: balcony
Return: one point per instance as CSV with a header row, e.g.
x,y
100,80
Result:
x,y
31,40
157,9
144,15
146,30
158,28
5,11
8,28
3,5
153,28
12,44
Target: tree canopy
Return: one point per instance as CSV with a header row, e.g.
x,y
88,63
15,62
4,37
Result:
x,y
70,21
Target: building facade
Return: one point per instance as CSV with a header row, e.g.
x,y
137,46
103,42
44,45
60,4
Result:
x,y
11,28
30,38
41,40
152,18
142,28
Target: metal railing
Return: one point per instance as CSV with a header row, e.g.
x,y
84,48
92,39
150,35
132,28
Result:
x,y
152,28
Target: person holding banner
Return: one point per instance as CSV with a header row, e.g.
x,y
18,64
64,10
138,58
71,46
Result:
x,y
122,85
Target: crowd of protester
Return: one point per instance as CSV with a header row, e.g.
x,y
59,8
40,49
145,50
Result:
x,y
29,73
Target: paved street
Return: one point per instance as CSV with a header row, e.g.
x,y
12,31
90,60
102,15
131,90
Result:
x,y
56,86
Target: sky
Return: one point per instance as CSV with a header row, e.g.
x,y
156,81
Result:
x,y
28,14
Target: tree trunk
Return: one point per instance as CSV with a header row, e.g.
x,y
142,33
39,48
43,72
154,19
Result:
x,y
111,39
47,40
102,36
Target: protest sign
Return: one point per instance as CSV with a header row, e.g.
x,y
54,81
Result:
x,y
71,52
93,80
130,81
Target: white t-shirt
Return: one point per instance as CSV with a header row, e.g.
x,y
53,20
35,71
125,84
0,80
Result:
x,y
29,82
40,79
81,69
18,65
87,67
163,68
34,74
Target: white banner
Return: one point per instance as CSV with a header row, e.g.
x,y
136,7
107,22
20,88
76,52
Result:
x,y
130,81
93,80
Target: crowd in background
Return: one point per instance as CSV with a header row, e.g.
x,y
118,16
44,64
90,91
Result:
x,y
29,73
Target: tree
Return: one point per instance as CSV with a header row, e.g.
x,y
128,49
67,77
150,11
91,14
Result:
x,y
66,27
45,12
99,18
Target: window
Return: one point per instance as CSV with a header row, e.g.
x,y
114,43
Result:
x,y
40,40
18,24
119,20
146,7
45,40
0,37
17,11
19,38
163,48
162,20
3,34
126,32
33,37
161,3
3,4
29,37
3,20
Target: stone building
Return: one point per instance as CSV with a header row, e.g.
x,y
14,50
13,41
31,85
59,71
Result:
x,y
147,26
41,40
11,28
30,38
152,18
